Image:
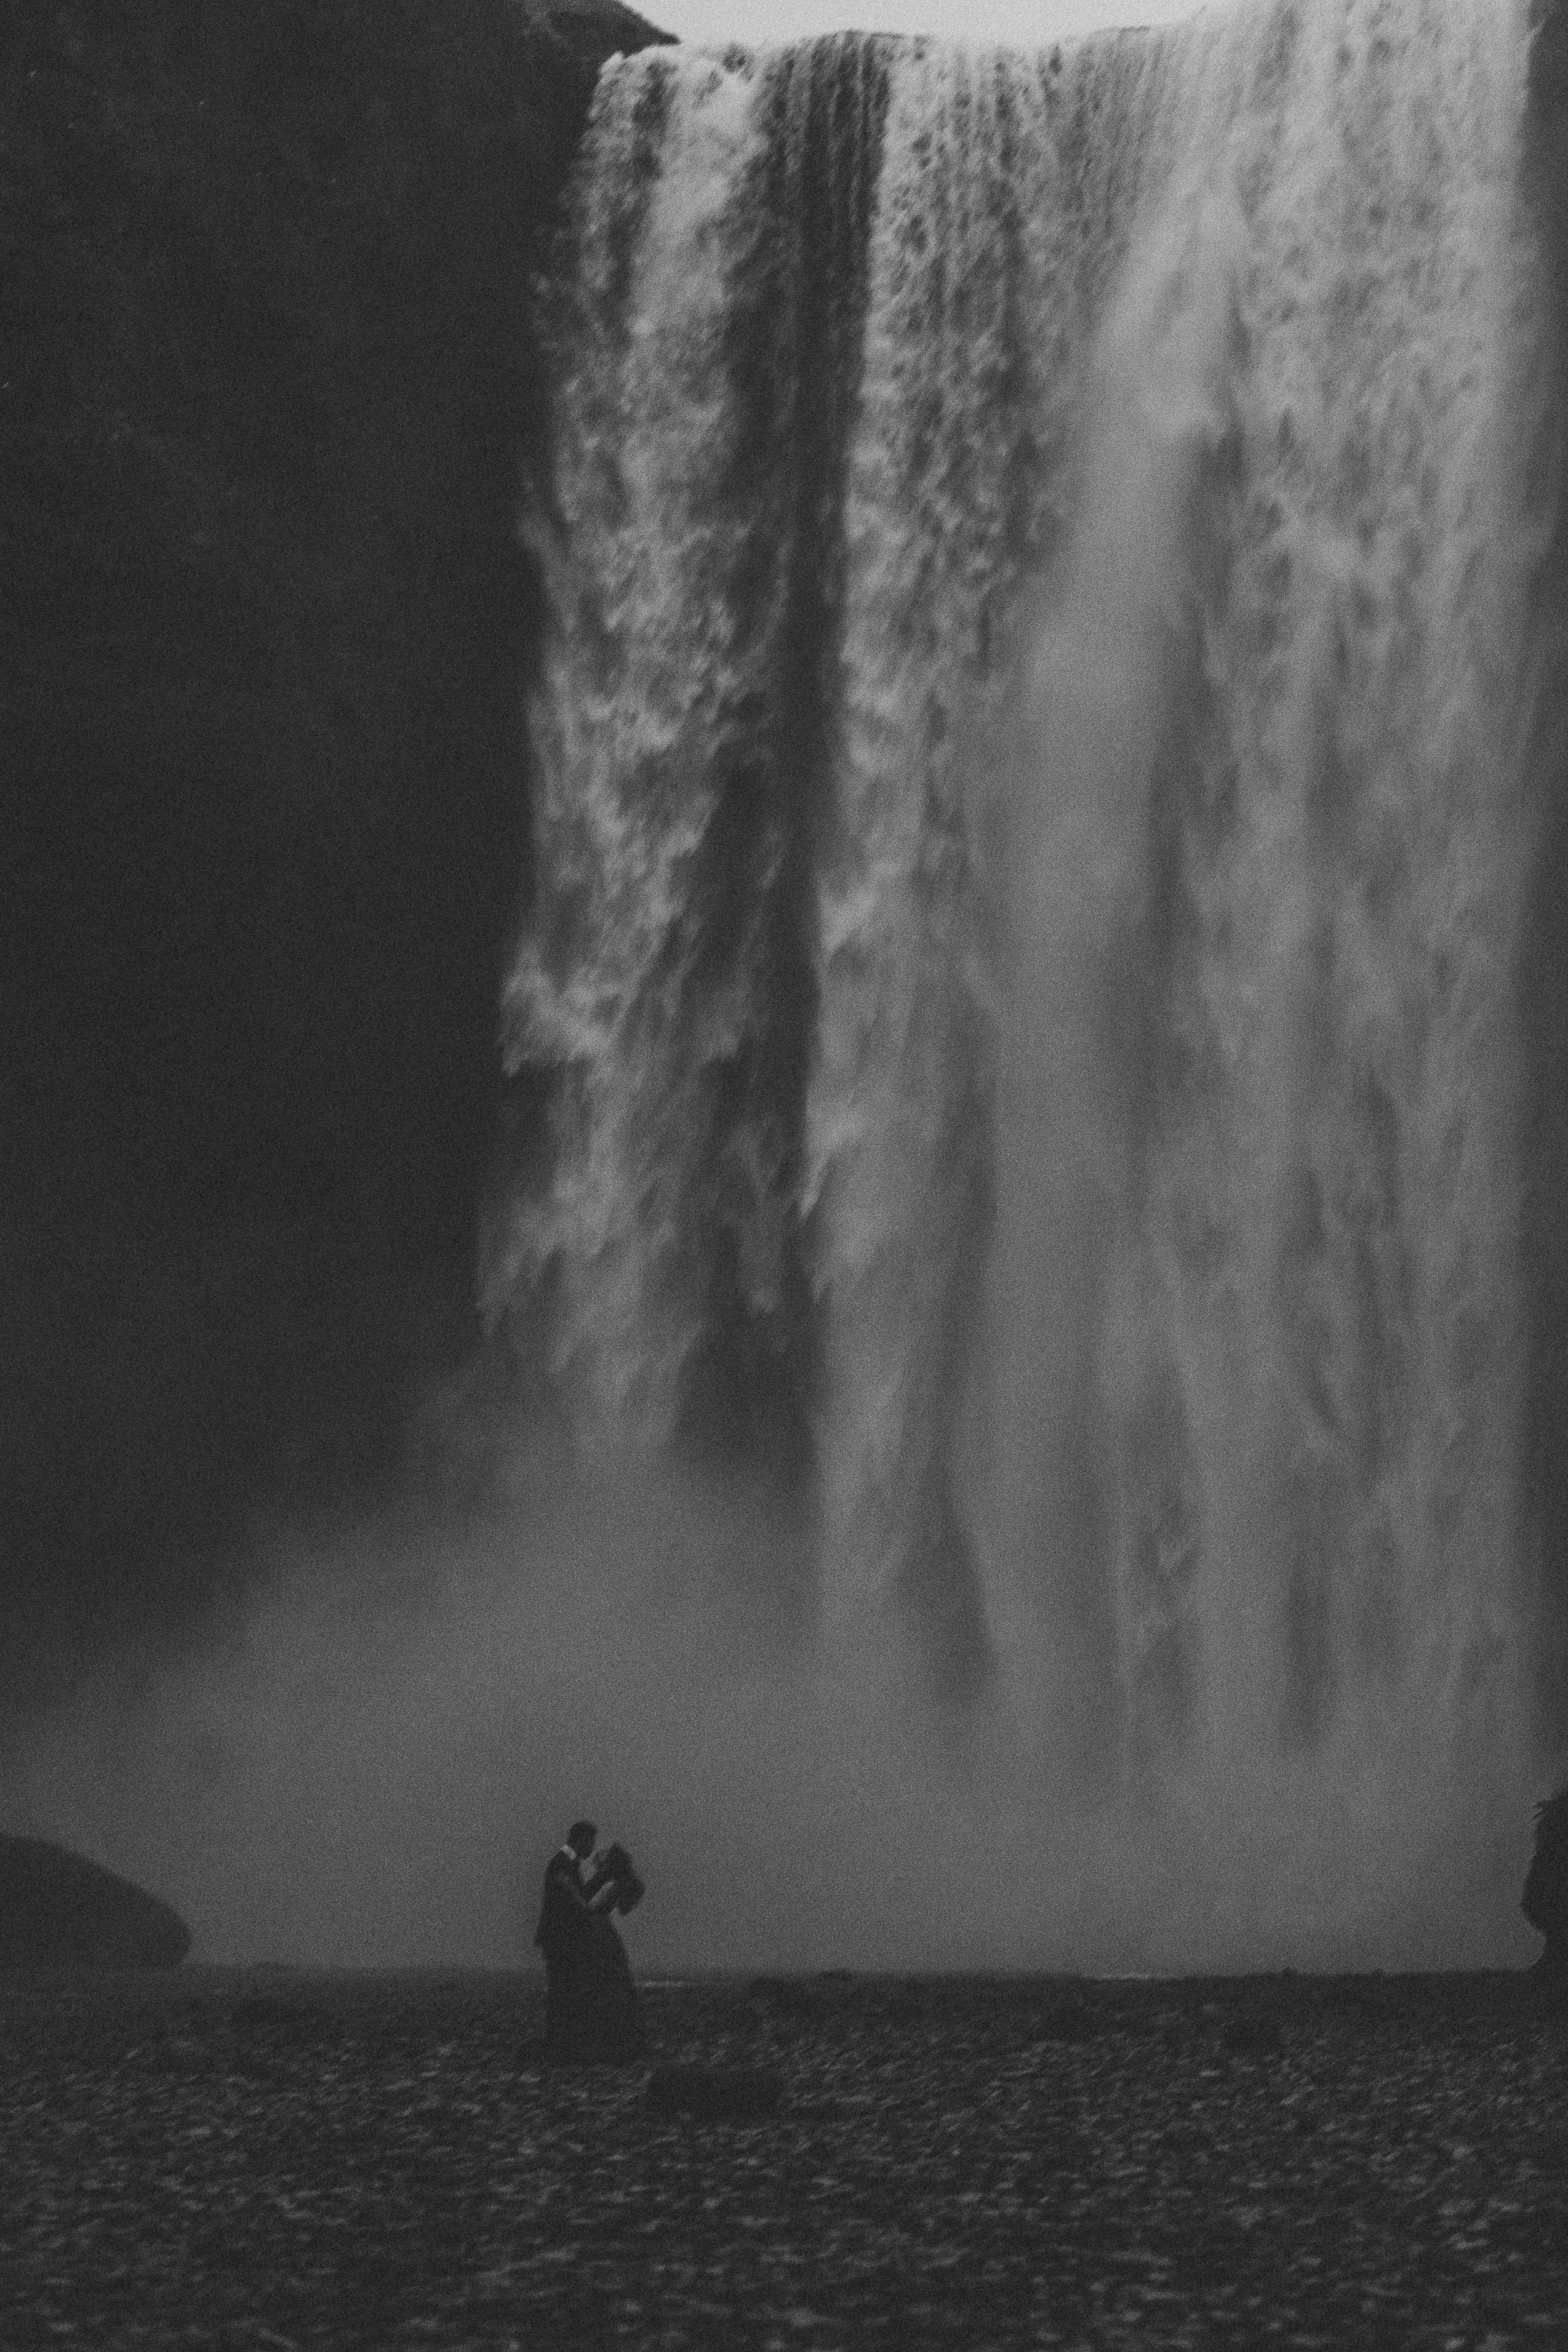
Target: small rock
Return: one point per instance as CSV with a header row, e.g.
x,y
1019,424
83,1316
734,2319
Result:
x,y
1068,2024
1253,2033
791,1995
272,2019
716,2094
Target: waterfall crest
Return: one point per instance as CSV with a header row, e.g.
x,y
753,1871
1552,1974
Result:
x,y
1033,812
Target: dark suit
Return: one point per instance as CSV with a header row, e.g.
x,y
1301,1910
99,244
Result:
x,y
564,1912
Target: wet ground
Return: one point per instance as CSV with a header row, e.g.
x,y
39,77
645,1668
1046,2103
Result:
x,y
300,2160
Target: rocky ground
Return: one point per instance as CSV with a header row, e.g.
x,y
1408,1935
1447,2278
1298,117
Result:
x,y
277,2159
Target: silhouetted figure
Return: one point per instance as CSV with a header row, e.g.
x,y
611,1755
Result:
x,y
590,2011
1545,1899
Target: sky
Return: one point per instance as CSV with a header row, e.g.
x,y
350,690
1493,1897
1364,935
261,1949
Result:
x,y
1021,22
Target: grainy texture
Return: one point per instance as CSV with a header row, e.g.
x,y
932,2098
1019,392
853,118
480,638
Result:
x,y
315,2161
59,1909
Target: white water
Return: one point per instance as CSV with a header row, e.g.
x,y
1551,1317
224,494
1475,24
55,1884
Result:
x,y
1074,1071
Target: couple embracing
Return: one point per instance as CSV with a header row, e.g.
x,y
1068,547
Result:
x,y
592,2010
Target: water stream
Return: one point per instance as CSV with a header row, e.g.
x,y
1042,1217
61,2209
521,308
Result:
x,y
1035,812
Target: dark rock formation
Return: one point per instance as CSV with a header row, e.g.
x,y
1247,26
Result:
x,y
1545,1898
59,1910
265,302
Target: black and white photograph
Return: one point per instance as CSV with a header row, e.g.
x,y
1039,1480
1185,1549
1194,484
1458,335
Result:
x,y
784,1175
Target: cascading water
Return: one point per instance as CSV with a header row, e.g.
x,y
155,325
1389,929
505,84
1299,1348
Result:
x,y
1034,811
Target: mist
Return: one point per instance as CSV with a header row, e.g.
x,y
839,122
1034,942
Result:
x,y
1088,719
373,1762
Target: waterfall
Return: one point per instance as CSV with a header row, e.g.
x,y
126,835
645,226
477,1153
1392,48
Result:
x,y
1034,808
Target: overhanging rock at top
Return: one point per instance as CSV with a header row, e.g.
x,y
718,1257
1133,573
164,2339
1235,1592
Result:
x,y
593,29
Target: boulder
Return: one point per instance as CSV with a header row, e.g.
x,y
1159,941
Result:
x,y
1545,1899
716,2094
59,1910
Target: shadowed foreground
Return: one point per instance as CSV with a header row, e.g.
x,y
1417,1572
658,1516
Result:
x,y
291,2160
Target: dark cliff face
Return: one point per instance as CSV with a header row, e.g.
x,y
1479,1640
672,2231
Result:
x,y
269,374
